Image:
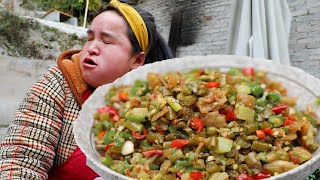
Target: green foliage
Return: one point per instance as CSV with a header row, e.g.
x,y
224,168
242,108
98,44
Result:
x,y
314,176
16,41
74,7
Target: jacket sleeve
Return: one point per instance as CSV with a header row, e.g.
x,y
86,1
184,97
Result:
x,y
29,146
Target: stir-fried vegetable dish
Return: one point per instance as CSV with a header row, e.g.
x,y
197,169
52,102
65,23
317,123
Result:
x,y
204,124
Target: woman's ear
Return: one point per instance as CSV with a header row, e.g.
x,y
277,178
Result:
x,y
138,60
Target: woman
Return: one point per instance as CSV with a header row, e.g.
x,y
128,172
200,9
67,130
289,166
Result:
x,y
40,143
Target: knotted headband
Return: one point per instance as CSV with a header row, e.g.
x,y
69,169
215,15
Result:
x,y
135,21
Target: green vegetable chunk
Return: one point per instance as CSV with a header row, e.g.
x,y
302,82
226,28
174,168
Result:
x,y
224,145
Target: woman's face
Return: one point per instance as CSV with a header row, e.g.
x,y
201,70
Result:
x,y
107,54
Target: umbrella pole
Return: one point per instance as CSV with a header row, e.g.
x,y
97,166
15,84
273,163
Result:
x,y
85,14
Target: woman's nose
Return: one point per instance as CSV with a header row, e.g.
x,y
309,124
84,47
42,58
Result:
x,y
94,48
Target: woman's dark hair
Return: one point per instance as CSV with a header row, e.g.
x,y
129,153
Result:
x,y
158,49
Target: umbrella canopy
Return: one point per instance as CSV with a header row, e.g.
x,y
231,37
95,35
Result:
x,y
260,29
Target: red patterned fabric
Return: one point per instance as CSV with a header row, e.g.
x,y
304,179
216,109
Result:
x,y
40,137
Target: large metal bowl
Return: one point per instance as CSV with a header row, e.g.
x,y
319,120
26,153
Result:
x,y
299,83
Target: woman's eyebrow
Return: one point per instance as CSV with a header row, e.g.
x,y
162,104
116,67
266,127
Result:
x,y
89,31
104,34
108,35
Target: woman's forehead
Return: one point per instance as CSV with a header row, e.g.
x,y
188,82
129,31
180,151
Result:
x,y
109,18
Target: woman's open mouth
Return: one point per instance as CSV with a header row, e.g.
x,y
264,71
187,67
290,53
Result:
x,y
89,62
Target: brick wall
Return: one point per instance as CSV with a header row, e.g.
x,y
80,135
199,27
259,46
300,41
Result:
x,y
210,21
207,19
304,43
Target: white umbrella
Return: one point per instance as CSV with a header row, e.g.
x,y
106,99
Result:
x,y
260,29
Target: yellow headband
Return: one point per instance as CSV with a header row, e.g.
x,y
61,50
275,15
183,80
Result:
x,y
135,21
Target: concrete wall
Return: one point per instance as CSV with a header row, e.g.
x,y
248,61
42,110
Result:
x,y
16,76
211,20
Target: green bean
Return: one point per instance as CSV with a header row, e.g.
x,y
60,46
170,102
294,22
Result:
x,y
249,128
263,156
115,149
107,160
166,144
164,168
231,153
188,130
155,137
107,125
265,124
178,154
272,156
242,143
145,143
96,116
199,164
189,100
261,102
105,116
98,127
180,125
243,168
233,174
170,137
134,126
283,155
154,166
213,167
175,106
185,91
171,114
260,146
252,161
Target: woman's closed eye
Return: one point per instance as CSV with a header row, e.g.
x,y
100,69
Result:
x,y
106,42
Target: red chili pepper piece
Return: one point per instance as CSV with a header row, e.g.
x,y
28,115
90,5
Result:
x,y
140,136
248,71
278,109
268,131
111,110
287,122
108,146
212,84
101,134
152,153
123,96
179,174
229,114
290,118
196,175
261,175
153,96
179,143
261,134
244,177
197,124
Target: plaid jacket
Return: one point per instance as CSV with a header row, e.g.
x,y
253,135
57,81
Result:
x,y
41,134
